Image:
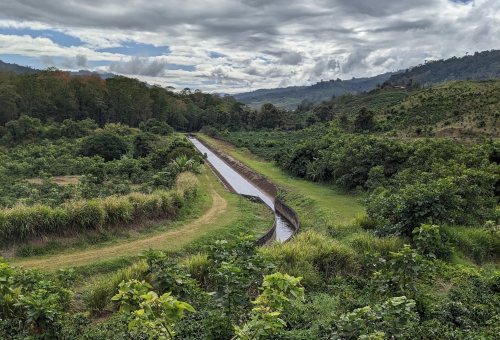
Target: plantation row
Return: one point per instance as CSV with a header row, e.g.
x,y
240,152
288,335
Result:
x,y
113,160
24,223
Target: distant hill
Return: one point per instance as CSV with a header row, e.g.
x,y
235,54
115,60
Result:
x,y
480,65
16,68
87,73
290,97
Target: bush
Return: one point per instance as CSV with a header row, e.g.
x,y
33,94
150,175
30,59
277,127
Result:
x,y
187,185
106,144
395,318
449,200
156,127
427,239
364,242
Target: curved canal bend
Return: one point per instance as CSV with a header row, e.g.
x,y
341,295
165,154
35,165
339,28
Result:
x,y
284,229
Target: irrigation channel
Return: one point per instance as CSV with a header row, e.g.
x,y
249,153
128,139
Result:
x,y
284,228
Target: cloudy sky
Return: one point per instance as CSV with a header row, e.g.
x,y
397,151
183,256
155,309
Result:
x,y
240,45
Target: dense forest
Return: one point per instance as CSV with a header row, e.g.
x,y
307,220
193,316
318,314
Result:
x,y
85,160
56,95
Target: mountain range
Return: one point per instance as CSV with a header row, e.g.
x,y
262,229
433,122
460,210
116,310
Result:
x,y
480,65
18,69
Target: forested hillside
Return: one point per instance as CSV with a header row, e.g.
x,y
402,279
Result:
x,y
455,109
460,109
7,67
56,95
480,65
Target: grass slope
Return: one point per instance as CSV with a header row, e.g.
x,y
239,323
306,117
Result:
x,y
222,215
374,100
463,108
325,202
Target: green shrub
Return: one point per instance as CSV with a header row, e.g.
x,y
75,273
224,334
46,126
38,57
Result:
x,y
366,222
427,239
395,318
104,143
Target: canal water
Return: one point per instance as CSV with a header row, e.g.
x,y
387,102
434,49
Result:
x,y
284,230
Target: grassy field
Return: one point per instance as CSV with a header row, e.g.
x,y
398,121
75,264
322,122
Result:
x,y
216,214
316,203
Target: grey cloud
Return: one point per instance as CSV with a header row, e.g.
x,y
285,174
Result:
x,y
308,40
356,60
47,61
81,60
67,63
324,65
291,58
286,57
401,26
379,8
139,66
222,77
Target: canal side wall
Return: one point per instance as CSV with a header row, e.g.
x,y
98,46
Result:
x,y
263,184
270,235
288,213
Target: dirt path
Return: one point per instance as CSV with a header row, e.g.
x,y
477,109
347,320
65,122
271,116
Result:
x,y
171,240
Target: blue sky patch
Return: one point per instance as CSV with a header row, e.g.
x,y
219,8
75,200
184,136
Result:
x,y
57,37
180,67
134,48
215,55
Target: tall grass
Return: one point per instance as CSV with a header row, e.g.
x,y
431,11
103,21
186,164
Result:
x,y
187,184
103,289
478,244
198,266
363,242
22,223
314,257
